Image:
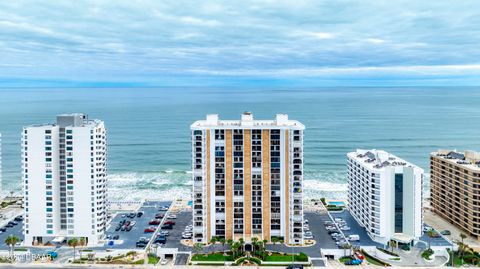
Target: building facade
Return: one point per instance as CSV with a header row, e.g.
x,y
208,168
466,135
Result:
x,y
385,196
248,179
64,180
455,188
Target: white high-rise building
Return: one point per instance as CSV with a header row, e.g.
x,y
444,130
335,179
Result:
x,y
248,179
385,195
64,180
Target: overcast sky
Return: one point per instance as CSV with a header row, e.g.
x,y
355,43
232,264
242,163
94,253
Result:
x,y
297,42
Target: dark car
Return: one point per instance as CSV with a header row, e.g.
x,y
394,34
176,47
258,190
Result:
x,y
116,237
295,266
141,244
159,216
167,227
139,214
3,229
118,228
128,229
169,222
122,222
161,239
19,218
9,225
132,215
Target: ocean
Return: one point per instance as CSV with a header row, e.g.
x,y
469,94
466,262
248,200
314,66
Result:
x,y
149,135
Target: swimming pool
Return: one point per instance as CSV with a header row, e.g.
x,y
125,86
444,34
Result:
x,y
336,203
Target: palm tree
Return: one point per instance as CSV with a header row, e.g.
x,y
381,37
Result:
x,y
197,247
11,240
223,241
82,242
254,243
73,243
274,240
431,233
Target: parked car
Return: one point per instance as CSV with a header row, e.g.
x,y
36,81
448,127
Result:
x,y
167,226
129,228
187,235
139,214
123,216
3,229
116,237
141,244
308,236
169,222
445,232
159,216
164,261
118,228
171,216
149,230
161,239
166,233
154,222
19,218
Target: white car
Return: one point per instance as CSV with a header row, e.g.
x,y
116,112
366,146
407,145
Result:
x,y
164,233
164,262
187,236
171,216
345,228
308,237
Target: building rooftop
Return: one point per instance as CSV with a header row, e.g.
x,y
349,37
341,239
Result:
x,y
468,159
247,121
379,159
70,120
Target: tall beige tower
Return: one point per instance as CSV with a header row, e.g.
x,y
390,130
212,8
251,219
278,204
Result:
x,y
248,179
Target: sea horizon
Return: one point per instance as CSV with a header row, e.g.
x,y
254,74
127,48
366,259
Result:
x,y
149,135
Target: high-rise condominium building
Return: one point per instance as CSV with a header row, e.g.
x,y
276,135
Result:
x,y
248,178
64,180
385,196
455,188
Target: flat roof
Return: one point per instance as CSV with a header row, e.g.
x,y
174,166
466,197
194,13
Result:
x,y
379,159
281,121
468,159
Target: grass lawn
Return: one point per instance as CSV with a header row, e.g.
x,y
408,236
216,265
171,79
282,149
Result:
x,y
152,259
285,258
373,261
212,257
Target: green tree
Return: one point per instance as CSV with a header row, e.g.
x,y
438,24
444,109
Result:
x,y
431,233
213,241
274,240
197,247
254,243
222,241
82,242
11,241
73,243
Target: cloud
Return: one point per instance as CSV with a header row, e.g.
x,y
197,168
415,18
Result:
x,y
146,39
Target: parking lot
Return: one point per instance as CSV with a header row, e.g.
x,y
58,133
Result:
x,y
128,239
16,230
175,235
355,228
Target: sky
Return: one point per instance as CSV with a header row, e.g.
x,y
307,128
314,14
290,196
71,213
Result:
x,y
252,43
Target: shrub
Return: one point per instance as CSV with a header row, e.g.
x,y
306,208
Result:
x,y
387,252
427,253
